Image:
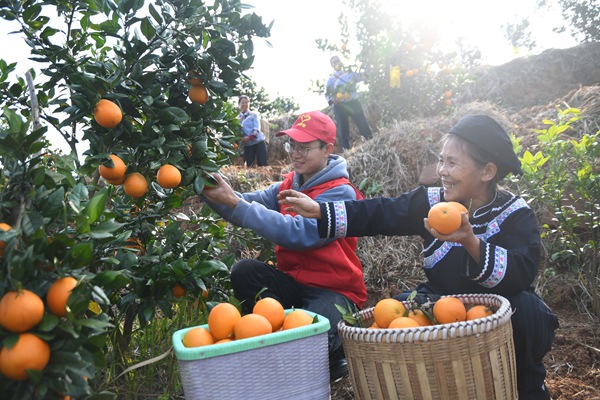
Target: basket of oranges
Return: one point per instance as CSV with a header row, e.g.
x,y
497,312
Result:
x,y
283,355
441,354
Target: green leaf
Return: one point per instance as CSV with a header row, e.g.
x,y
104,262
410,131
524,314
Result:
x,y
210,267
31,13
112,280
95,324
154,13
81,254
95,207
198,185
48,323
147,29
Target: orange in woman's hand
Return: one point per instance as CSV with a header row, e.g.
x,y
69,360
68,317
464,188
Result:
x,y
446,217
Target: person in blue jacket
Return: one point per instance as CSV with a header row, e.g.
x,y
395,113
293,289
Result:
x,y
311,272
495,250
253,140
341,94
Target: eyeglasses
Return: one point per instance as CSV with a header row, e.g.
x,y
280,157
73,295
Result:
x,y
301,151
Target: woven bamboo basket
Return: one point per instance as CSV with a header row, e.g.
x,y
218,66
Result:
x,y
292,364
462,360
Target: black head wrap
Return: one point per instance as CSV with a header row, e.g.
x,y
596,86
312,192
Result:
x,y
487,135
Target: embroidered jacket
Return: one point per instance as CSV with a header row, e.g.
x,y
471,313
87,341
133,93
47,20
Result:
x,y
507,229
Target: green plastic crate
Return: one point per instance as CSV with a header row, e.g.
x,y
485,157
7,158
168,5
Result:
x,y
292,364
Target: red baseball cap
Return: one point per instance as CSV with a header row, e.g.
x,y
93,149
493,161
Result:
x,y
310,126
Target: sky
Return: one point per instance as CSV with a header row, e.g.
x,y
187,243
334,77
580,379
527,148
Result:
x,y
287,63
293,62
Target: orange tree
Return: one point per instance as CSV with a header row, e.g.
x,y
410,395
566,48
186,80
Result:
x,y
427,78
126,253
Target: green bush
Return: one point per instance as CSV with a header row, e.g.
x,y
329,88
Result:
x,y
563,176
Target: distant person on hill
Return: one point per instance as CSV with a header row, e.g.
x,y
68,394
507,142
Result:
x,y
495,250
253,140
311,272
341,94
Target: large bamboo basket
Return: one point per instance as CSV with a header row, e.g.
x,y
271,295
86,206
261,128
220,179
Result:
x,y
463,360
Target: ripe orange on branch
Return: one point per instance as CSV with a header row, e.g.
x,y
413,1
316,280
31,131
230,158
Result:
x,y
168,176
135,185
178,291
198,94
30,352
114,173
4,227
20,311
58,295
107,114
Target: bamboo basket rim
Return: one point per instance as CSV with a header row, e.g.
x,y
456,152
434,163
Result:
x,y
433,332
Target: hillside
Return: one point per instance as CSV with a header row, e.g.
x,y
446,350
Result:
x,y
520,94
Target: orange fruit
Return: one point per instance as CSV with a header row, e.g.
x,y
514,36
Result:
x,y
133,243
419,316
224,340
296,319
178,291
251,325
30,352
444,217
116,182
448,94
168,176
222,319
205,293
114,173
107,114
478,311
339,96
135,185
447,102
197,337
449,309
20,311
58,294
272,310
193,78
459,207
198,94
374,326
347,96
387,310
403,322
4,227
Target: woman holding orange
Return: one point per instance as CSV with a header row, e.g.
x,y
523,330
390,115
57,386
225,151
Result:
x,y
495,250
